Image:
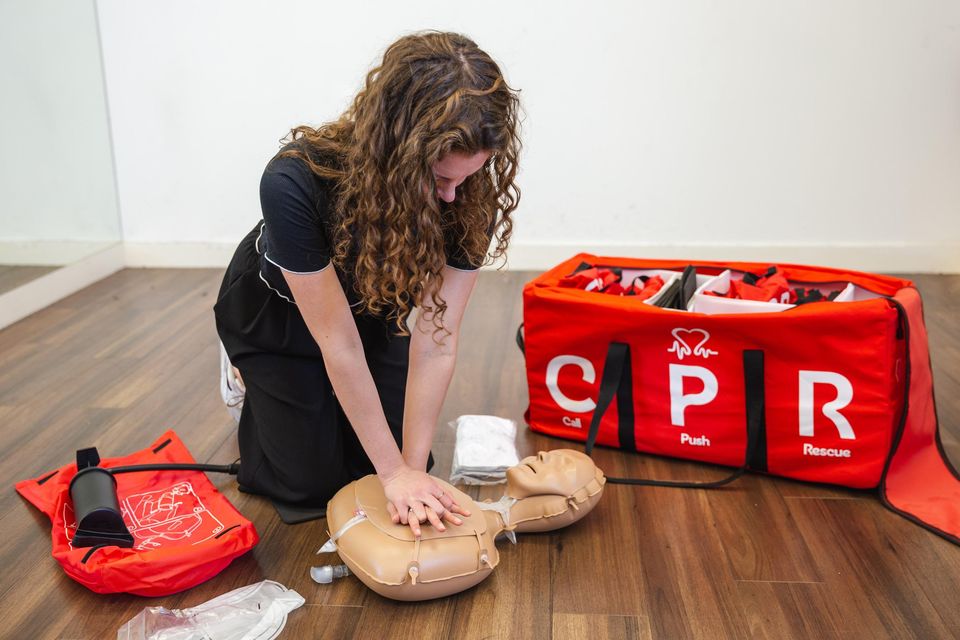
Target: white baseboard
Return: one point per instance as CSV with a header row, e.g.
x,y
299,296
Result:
x,y
178,254
52,253
889,258
41,292
47,289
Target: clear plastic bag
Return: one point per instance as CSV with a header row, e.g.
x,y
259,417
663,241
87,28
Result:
x,y
255,612
486,447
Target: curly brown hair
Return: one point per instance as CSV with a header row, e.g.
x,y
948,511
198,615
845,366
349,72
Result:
x,y
434,93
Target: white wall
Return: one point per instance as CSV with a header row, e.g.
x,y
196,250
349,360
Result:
x,y
789,130
56,172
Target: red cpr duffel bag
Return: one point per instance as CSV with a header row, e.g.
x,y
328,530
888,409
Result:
x,y
829,392
184,530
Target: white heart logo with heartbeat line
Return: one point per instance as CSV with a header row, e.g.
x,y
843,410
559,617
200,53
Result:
x,y
682,347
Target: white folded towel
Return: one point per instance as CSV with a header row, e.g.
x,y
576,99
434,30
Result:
x,y
485,449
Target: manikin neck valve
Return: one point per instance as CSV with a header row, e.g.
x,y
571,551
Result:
x,y
502,507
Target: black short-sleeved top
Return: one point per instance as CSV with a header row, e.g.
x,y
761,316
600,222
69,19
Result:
x,y
297,230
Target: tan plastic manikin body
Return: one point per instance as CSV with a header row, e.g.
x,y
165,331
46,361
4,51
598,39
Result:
x,y
544,492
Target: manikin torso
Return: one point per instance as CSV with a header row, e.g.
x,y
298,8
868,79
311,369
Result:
x,y
544,492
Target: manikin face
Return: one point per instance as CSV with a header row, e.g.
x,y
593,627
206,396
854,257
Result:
x,y
559,472
453,168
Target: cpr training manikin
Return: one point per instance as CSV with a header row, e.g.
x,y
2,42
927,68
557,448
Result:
x,y
544,492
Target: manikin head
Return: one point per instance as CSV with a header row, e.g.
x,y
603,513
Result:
x,y
559,472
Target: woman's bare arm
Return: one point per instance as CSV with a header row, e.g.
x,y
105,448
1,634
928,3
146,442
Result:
x,y
431,367
325,310
327,314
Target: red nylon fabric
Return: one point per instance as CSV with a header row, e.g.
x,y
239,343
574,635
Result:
x,y
185,531
835,381
919,483
856,341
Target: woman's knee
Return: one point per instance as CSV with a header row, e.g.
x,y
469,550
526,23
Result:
x,y
314,487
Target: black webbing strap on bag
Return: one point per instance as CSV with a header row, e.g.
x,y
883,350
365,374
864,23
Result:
x,y
617,380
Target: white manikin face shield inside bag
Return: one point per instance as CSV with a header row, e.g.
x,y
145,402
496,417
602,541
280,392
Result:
x,y
255,612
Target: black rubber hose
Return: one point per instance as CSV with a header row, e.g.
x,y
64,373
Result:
x,y
232,468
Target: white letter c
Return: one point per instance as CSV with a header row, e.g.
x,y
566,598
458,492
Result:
x,y
553,372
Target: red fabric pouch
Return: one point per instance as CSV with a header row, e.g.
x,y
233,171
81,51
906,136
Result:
x,y
184,530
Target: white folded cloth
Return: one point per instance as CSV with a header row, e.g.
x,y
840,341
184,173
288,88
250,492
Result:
x,y
485,449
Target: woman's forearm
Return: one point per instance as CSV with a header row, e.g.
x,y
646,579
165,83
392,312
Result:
x,y
428,378
327,314
354,386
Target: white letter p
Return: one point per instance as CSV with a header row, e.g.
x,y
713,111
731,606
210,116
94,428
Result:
x,y
678,401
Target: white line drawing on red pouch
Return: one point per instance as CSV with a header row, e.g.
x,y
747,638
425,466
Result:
x,y
166,515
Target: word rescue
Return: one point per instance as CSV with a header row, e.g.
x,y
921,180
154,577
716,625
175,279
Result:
x,y
680,401
810,450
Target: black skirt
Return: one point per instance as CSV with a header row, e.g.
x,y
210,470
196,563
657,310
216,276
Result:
x,y
296,445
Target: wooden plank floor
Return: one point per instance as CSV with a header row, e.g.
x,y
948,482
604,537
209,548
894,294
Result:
x,y
133,355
